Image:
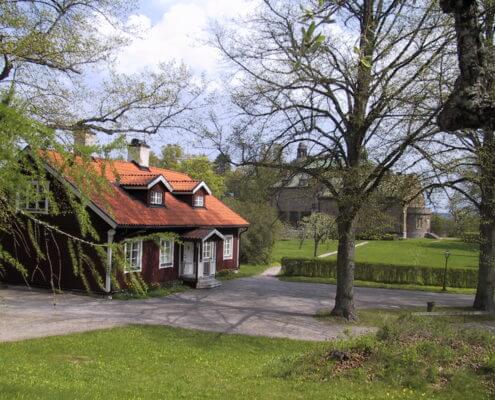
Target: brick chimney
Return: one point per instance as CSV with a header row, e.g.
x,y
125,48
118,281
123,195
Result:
x,y
139,152
84,137
302,151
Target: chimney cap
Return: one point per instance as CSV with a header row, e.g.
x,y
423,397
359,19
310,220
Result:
x,y
137,142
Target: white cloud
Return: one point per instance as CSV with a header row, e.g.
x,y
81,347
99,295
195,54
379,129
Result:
x,y
179,34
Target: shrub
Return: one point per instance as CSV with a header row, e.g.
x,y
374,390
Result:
x,y
385,273
471,237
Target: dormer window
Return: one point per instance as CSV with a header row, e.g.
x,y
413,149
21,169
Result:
x,y
156,198
199,200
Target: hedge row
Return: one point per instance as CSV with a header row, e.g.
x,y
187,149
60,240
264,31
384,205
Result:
x,y
385,273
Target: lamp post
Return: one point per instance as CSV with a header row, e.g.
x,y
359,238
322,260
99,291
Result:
x,y
446,254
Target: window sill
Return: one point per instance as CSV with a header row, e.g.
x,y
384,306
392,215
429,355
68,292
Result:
x,y
133,271
165,266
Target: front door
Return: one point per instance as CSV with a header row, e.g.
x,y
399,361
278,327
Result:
x,y
209,258
188,262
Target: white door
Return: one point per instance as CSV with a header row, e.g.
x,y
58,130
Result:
x,y
188,262
209,258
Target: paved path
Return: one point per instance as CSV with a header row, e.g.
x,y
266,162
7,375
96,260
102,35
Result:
x,y
335,252
261,305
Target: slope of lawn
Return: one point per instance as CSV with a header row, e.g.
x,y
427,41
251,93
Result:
x,y
426,252
290,248
145,362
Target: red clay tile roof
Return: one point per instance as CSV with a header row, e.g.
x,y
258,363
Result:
x,y
136,179
128,211
184,186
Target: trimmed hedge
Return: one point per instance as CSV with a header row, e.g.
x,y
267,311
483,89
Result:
x,y
385,273
471,237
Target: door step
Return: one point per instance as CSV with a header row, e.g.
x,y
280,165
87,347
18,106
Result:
x,y
207,282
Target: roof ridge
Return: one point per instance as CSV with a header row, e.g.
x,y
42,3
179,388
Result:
x,y
138,174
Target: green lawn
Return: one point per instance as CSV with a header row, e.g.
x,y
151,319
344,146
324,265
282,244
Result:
x,y
151,362
290,248
425,252
245,271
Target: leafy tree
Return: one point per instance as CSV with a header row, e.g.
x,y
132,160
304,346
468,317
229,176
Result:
x,y
250,190
258,240
47,49
468,115
222,164
201,168
319,227
371,93
171,157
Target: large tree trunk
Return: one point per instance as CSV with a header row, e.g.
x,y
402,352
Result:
x,y
486,273
344,298
471,104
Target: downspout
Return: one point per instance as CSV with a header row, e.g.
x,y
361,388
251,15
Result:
x,y
108,274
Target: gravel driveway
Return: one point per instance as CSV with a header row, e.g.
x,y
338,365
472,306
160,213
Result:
x,y
261,305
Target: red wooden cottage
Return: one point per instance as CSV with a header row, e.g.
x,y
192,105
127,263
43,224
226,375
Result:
x,y
142,200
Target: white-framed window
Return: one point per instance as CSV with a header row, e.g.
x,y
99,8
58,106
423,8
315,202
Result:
x,y
228,247
36,199
156,198
133,256
207,250
199,200
419,223
166,253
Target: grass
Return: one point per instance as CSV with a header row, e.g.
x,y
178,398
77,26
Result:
x,y
425,252
332,281
411,359
245,271
166,290
417,353
290,248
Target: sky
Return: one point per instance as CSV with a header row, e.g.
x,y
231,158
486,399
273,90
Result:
x,y
176,30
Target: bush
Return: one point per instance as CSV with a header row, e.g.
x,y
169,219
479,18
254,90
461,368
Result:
x,y
257,242
471,237
385,273
376,236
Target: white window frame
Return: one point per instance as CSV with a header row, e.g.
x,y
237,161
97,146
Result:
x,y
199,200
128,267
25,202
419,223
209,246
228,255
164,263
156,198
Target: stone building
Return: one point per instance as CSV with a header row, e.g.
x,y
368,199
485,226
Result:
x,y
298,197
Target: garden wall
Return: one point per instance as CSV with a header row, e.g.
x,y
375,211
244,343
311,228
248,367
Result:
x,y
385,273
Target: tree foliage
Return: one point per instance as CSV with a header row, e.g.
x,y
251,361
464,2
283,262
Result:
x,y
372,93
320,227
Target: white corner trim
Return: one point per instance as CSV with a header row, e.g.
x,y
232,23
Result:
x,y
203,185
161,179
214,232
